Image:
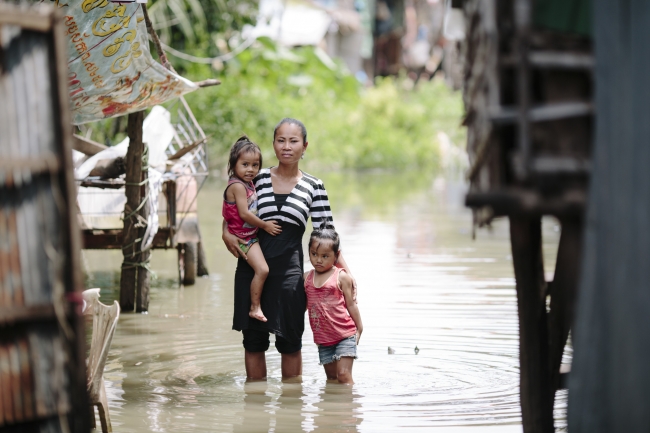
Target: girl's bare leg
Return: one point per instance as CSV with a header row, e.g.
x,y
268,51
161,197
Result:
x,y
258,263
331,370
344,370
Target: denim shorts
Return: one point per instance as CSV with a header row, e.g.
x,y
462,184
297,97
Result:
x,y
345,347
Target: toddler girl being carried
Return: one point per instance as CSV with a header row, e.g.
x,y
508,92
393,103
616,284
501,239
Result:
x,y
240,213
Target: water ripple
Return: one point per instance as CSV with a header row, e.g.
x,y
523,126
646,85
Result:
x,y
422,282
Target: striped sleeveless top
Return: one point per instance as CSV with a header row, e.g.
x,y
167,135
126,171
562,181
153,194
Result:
x,y
328,316
307,199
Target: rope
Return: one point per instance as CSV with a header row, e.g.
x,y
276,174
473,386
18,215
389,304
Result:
x,y
208,60
145,167
143,265
146,198
136,183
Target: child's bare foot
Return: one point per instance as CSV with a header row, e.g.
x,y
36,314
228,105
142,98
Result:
x,y
256,313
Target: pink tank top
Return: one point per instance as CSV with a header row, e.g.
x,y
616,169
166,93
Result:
x,y
236,225
328,316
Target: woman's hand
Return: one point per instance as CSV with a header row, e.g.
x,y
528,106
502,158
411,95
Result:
x,y
272,228
232,243
359,331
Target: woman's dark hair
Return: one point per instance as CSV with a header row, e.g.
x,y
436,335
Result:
x,y
241,146
326,231
291,121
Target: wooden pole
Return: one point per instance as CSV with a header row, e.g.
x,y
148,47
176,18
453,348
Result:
x,y
563,292
131,248
156,40
536,391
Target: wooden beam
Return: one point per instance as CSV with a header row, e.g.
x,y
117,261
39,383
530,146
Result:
x,y
520,201
11,315
38,19
563,295
535,387
86,146
48,163
208,82
184,150
113,239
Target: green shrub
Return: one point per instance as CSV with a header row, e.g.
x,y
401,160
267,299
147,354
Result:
x,y
388,126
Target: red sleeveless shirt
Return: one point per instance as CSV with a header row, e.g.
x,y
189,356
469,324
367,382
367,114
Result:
x,y
328,315
236,225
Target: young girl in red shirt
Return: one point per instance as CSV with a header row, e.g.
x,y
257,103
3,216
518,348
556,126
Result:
x,y
333,315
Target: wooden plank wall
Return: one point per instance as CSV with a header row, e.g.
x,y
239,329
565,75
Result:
x,y
609,386
42,368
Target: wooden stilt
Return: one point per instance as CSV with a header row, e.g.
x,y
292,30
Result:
x,y
536,391
131,248
563,292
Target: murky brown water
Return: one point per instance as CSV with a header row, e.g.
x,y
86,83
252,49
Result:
x,y
423,282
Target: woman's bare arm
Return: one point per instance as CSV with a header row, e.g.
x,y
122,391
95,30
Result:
x,y
353,309
341,263
232,242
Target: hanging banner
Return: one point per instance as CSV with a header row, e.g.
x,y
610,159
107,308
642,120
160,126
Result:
x,y
111,71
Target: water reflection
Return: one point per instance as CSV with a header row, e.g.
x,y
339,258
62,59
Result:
x,y
423,282
338,409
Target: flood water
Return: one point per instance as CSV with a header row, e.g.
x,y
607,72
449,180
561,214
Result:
x,y
422,282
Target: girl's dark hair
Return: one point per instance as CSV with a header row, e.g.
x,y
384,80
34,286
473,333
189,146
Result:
x,y
241,146
291,121
326,231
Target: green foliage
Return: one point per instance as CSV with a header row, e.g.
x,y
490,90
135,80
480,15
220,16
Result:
x,y
389,126
201,27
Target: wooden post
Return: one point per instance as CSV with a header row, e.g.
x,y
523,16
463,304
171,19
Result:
x,y
133,191
536,391
563,292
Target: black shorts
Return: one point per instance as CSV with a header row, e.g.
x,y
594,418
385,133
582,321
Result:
x,y
259,341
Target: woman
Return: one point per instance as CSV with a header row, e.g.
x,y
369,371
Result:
x,y
288,196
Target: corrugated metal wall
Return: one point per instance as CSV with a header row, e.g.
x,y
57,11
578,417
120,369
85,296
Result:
x,y
609,388
42,372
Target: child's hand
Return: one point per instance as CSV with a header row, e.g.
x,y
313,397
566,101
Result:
x,y
272,228
359,331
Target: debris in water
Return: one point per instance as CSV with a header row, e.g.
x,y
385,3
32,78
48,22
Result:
x,y
391,351
138,363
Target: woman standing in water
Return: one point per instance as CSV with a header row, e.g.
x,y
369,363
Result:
x,y
289,196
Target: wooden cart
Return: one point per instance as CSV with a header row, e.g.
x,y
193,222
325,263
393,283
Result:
x,y
177,203
528,95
